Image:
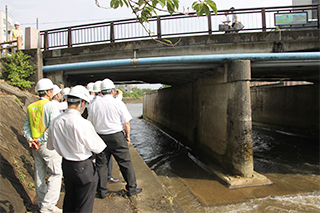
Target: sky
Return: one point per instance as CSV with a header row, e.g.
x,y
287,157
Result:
x,y
61,13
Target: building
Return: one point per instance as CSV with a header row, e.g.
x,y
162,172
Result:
x,y
126,87
311,14
3,31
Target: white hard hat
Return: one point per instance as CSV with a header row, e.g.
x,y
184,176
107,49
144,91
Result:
x,y
65,91
90,86
56,90
79,92
107,84
17,23
97,86
44,84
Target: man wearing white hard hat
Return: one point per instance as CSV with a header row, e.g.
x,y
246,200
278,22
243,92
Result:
x,y
96,90
110,117
57,98
75,139
38,117
17,33
90,89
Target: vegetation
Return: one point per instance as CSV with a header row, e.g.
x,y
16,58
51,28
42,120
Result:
x,y
145,9
165,86
136,92
16,69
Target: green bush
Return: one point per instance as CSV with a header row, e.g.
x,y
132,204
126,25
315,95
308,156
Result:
x,y
16,70
136,92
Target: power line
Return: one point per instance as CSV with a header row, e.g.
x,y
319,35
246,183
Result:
x,y
61,22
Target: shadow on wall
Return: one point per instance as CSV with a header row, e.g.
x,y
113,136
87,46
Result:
x,y
7,173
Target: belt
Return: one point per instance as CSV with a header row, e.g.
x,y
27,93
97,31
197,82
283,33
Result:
x,y
73,161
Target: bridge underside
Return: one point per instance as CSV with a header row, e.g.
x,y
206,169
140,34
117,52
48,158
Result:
x,y
177,74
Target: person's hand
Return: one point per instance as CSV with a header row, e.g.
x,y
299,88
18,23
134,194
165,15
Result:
x,y
128,139
34,144
118,92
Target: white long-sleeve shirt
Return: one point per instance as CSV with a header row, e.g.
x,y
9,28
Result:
x,y
108,115
74,137
61,105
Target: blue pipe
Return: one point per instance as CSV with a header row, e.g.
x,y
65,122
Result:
x,y
184,59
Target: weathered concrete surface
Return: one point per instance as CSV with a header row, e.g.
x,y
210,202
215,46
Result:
x,y
154,197
212,116
293,108
36,59
32,38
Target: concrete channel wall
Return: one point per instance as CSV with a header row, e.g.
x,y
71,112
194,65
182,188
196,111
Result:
x,y
288,108
211,115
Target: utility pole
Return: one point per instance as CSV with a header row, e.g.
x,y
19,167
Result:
x,y
37,24
7,23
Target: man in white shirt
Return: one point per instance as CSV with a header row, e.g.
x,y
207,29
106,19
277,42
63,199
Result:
x,y
57,98
96,91
110,117
74,138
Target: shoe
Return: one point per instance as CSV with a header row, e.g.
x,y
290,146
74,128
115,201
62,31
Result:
x,y
54,210
101,196
113,180
137,191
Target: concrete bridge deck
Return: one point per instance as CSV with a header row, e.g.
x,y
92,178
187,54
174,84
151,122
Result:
x,y
235,43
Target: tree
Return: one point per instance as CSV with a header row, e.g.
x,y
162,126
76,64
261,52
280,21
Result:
x,y
145,9
17,69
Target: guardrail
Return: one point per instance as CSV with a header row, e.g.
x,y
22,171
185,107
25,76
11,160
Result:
x,y
254,20
10,46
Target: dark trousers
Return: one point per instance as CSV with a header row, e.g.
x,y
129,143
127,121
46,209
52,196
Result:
x,y
80,179
118,147
110,167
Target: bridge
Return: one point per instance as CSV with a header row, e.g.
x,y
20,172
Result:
x,y
209,107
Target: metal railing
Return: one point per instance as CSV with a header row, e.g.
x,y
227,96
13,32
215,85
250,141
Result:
x,y
254,20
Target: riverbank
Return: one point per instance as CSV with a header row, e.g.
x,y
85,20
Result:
x,y
132,100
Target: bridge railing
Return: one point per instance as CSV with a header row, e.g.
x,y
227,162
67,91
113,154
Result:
x,y
254,20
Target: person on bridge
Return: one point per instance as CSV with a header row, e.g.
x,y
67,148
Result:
x,y
110,117
17,34
75,139
234,17
38,117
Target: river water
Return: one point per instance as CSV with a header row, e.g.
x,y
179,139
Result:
x,y
285,158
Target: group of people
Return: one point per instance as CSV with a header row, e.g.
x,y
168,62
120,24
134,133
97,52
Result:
x,y
67,145
234,24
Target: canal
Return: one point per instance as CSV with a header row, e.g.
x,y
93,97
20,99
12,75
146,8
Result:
x,y
290,161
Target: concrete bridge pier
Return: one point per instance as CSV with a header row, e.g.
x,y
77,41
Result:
x,y
239,149
212,116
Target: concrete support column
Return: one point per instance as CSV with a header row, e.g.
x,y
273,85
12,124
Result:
x,y
239,149
31,38
212,116
36,59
